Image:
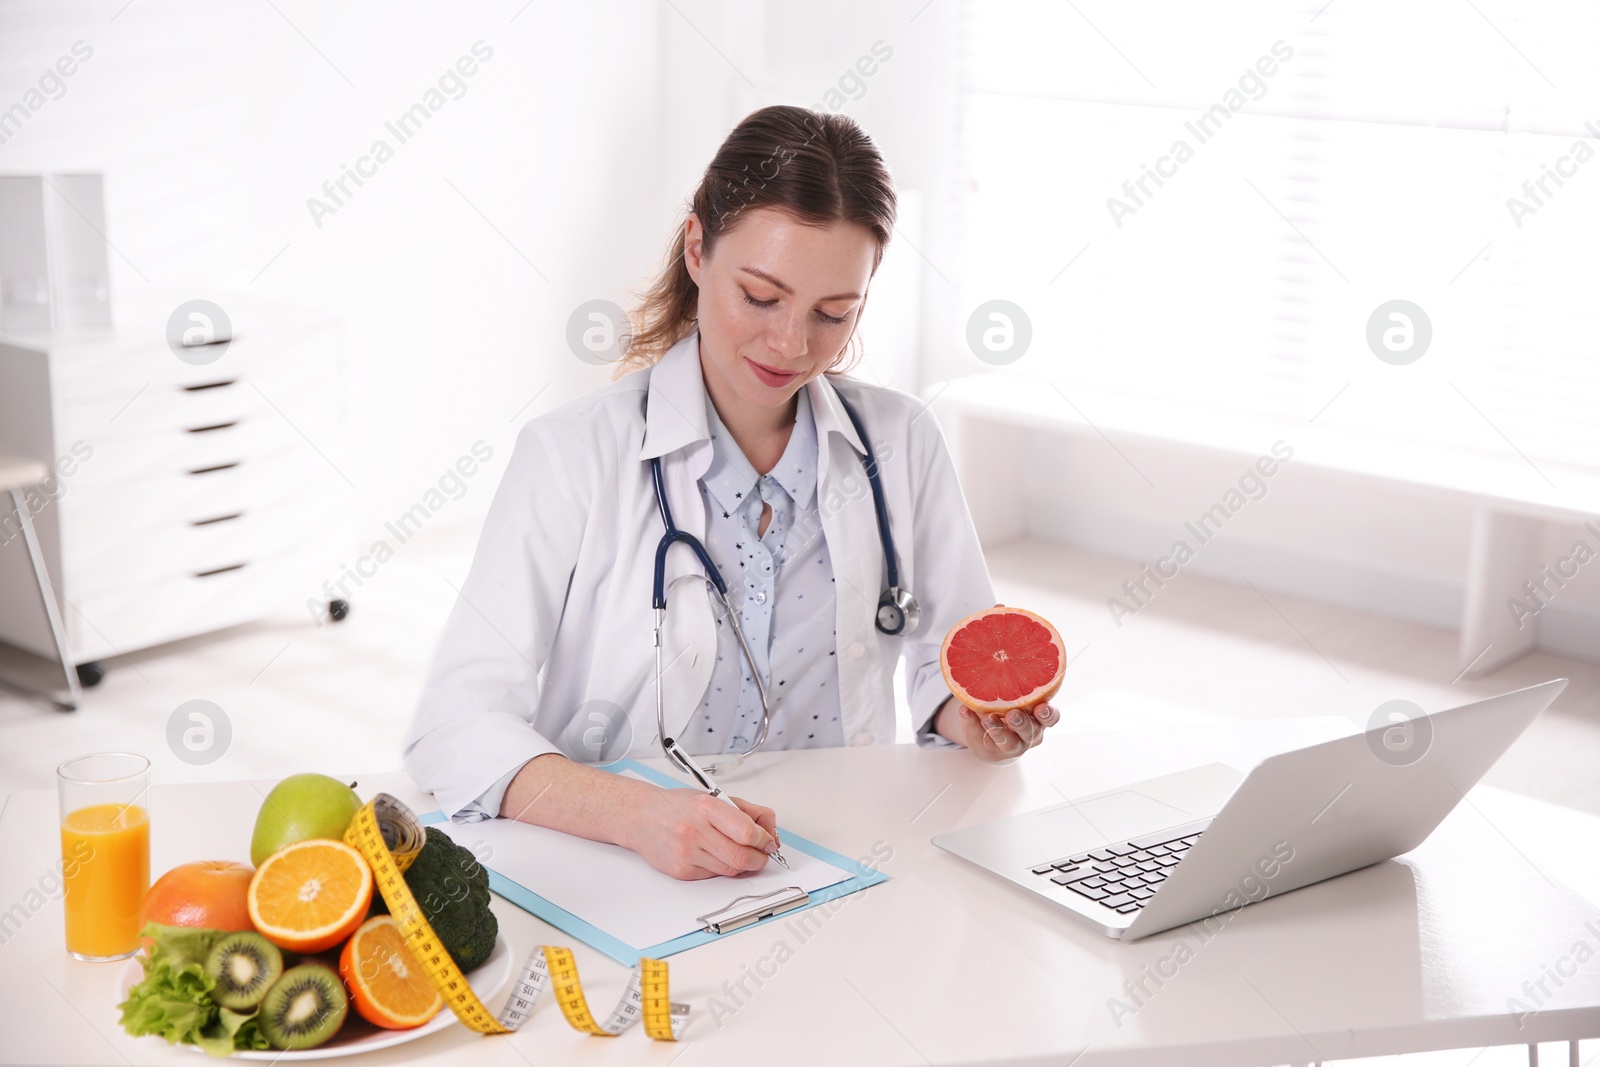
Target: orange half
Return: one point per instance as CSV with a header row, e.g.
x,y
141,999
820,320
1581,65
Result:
x,y
387,985
310,895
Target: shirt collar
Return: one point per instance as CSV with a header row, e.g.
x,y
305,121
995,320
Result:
x,y
732,479
675,415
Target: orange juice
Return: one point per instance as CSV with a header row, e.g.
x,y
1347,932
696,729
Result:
x,y
105,859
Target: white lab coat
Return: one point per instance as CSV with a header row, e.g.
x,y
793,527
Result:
x,y
553,625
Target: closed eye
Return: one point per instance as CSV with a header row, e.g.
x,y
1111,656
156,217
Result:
x,y
832,320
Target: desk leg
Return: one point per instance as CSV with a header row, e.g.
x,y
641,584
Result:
x,y
1504,555
1572,1054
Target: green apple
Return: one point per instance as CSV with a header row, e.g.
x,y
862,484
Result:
x,y
300,808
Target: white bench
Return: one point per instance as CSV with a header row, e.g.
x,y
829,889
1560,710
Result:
x,y
986,418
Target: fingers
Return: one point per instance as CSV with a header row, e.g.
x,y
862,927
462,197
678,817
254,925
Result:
x,y
1003,738
711,838
1025,726
764,817
1000,739
986,735
743,842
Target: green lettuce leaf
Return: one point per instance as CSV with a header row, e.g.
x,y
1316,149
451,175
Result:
x,y
174,999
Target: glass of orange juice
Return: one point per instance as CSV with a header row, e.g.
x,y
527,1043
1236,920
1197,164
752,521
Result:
x,y
105,851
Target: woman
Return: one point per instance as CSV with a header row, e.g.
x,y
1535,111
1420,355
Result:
x,y
547,664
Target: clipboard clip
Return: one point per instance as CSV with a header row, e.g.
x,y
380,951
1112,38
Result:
x,y
735,914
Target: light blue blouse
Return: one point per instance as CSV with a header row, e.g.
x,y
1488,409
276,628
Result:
x,y
781,583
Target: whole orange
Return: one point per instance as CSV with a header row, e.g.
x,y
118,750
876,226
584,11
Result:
x,y
212,894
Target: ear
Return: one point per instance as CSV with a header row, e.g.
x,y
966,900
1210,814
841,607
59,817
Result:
x,y
693,246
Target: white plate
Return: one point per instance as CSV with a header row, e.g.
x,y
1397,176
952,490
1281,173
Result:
x,y
357,1035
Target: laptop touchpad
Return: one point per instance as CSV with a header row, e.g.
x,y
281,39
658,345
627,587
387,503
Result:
x,y
1114,817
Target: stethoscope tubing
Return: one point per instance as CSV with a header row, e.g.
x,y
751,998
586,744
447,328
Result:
x,y
674,535
870,463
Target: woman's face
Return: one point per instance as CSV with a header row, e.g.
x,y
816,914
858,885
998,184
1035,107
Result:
x,y
778,302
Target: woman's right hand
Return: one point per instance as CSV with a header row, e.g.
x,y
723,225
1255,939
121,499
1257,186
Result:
x,y
689,834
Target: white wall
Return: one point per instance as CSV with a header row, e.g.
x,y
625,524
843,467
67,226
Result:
x,y
214,124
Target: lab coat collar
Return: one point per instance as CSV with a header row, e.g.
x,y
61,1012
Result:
x,y
675,415
676,411
829,413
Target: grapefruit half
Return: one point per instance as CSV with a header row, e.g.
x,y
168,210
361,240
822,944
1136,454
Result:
x,y
1003,658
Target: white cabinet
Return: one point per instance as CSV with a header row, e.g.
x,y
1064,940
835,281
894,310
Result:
x,y
199,496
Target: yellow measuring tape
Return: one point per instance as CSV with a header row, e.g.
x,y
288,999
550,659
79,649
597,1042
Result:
x,y
388,836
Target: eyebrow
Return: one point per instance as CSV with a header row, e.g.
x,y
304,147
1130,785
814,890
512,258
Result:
x,y
759,273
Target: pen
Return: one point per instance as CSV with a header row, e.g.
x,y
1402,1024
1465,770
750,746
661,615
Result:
x,y
681,757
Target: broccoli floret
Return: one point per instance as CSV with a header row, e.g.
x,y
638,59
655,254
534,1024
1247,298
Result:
x,y
452,889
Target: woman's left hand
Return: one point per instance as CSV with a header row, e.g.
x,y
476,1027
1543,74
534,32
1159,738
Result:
x,y
998,739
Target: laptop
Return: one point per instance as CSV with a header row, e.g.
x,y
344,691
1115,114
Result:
x,y
1297,818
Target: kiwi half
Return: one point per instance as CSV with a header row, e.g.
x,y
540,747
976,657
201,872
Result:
x,y
304,1007
243,965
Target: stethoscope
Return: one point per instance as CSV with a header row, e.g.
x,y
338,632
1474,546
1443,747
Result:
x,y
898,611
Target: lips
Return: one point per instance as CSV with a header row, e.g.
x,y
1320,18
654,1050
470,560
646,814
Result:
x,y
768,376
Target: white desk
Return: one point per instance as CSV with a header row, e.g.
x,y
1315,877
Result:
x,y
942,964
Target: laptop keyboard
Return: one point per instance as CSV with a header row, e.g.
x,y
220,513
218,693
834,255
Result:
x,y
1121,877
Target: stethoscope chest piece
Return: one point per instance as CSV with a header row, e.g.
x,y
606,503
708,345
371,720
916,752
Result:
x,y
898,612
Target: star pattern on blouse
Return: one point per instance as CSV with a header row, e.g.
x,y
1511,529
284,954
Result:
x,y
772,606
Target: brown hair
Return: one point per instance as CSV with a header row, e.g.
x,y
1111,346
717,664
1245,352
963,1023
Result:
x,y
817,167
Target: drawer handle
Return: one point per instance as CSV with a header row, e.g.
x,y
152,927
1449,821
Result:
x,y
218,467
208,429
209,385
219,518
218,570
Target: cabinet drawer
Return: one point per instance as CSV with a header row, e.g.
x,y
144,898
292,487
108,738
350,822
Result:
x,y
140,615
135,530
249,437
282,390
155,367
231,540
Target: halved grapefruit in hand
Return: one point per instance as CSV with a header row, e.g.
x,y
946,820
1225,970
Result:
x,y
1003,658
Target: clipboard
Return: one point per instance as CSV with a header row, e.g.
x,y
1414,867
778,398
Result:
x,y
744,911
760,906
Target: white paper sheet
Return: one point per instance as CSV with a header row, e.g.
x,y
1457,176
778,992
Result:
x,y
616,889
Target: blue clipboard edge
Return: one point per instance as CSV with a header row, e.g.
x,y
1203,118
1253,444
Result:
x,y
625,954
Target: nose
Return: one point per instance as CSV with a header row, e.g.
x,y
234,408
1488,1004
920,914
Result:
x,y
788,339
